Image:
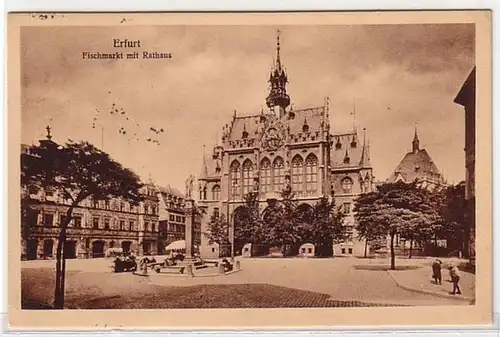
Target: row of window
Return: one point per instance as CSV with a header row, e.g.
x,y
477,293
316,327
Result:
x,y
177,218
272,175
114,205
123,207
97,223
176,228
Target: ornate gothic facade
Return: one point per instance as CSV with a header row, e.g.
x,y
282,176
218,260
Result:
x,y
282,146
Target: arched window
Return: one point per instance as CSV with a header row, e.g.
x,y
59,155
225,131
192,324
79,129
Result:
x,y
311,173
265,175
247,176
278,173
297,173
235,179
216,192
346,185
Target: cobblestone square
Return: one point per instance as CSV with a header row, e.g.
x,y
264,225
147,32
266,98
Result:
x,y
262,283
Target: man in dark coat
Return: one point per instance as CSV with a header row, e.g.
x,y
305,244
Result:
x,y
436,271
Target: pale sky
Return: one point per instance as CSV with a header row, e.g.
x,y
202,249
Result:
x,y
398,75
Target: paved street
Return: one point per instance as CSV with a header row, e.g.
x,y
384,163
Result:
x,y
261,283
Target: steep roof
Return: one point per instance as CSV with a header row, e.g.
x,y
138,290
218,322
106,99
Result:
x,y
347,151
417,165
211,166
169,190
294,120
468,89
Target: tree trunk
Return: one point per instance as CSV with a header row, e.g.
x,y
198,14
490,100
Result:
x,y
61,262
436,246
393,256
366,247
411,247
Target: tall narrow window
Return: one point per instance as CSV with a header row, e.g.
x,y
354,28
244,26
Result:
x,y
297,174
216,192
311,173
235,179
265,174
247,176
347,185
346,207
278,173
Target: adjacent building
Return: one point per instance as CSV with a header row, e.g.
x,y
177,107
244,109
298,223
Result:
x,y
417,165
97,225
466,97
171,216
284,146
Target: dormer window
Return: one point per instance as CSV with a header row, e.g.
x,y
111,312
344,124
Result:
x,y
244,134
305,128
354,144
347,160
291,115
338,145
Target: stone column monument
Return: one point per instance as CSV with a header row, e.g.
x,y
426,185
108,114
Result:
x,y
189,209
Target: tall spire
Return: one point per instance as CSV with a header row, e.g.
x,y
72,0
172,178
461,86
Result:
x,y
204,168
365,153
415,142
278,98
278,47
353,113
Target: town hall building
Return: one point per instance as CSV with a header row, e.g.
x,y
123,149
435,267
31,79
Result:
x,y
283,146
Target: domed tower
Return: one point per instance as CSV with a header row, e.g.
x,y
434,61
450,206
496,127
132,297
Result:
x,y
278,100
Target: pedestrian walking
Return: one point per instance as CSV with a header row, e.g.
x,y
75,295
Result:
x,y
436,271
455,279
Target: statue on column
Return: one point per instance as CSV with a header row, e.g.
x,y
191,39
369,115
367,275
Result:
x,y
189,186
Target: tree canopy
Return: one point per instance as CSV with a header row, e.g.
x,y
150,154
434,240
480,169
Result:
x,y
406,209
77,170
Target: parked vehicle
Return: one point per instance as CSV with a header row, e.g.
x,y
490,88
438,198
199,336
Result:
x,y
124,264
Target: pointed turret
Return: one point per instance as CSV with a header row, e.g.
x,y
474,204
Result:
x,y
415,142
278,99
365,153
204,167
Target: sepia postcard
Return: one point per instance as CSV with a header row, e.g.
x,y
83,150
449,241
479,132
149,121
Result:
x,y
270,170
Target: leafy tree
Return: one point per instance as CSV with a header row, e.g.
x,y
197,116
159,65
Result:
x,y
451,204
247,222
272,223
218,230
288,232
327,226
367,227
396,208
426,219
78,171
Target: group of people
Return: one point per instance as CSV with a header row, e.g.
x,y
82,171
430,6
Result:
x,y
454,275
